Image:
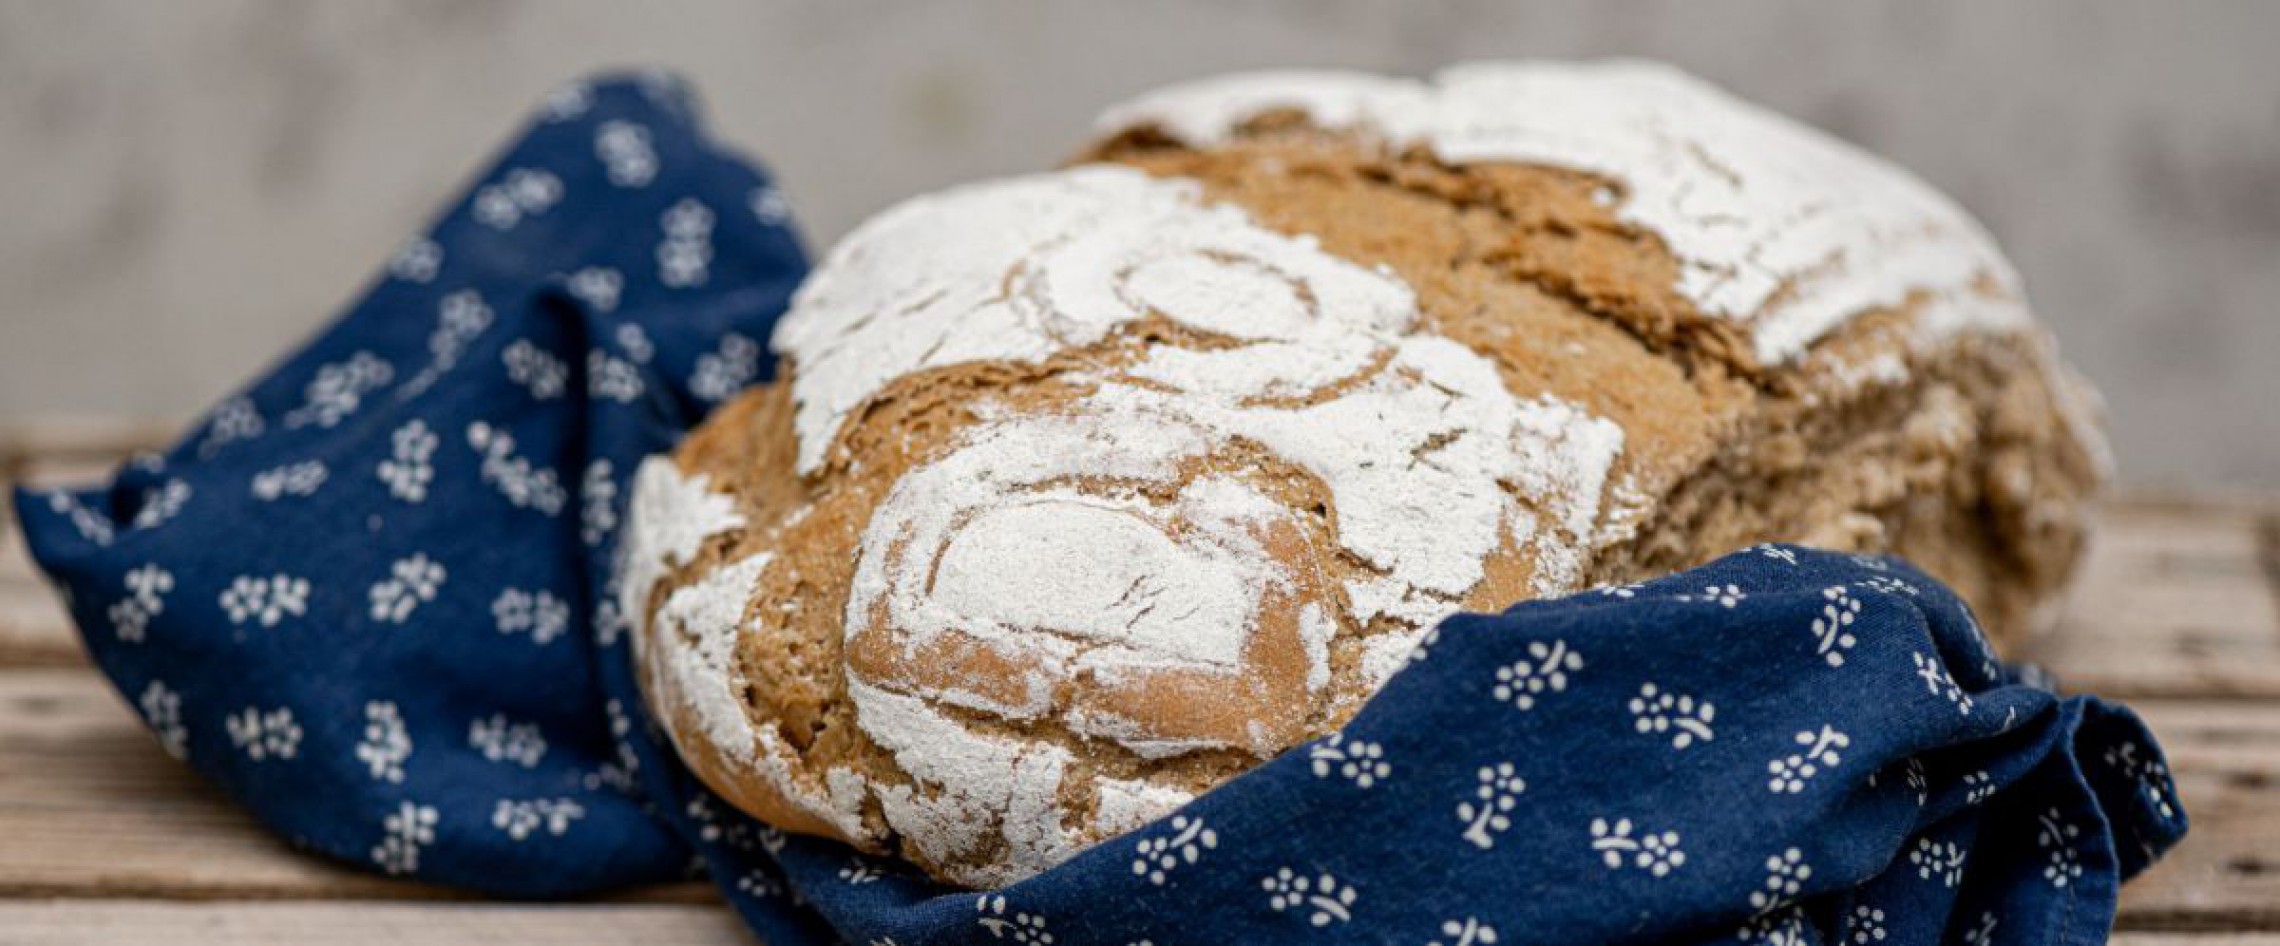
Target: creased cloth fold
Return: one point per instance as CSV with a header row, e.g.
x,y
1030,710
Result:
x,y
370,598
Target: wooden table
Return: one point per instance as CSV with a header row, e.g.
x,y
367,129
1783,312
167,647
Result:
x,y
104,839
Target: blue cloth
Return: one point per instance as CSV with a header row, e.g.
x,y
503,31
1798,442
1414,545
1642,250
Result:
x,y
368,597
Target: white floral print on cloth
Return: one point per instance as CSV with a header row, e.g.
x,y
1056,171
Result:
x,y
684,257
1321,898
598,286
537,613
502,741
1940,861
410,581
726,371
162,712
460,319
1016,926
386,744
522,192
289,480
1358,761
2150,773
1466,932
521,819
609,377
1832,634
597,493
1815,750
1487,812
265,734
339,389
146,598
407,470
1620,845
1545,670
405,661
1160,855
161,503
539,372
266,601
408,829
1685,719
417,260
522,482
362,577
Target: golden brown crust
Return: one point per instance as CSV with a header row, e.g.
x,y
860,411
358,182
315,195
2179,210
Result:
x,y
1523,265
1955,453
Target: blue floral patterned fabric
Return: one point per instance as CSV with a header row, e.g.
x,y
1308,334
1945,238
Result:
x,y
370,598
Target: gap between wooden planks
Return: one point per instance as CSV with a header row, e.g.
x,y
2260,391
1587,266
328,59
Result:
x,y
110,840
92,808
391,924
353,923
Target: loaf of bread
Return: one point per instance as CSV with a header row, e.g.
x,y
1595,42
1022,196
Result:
x,y
1091,489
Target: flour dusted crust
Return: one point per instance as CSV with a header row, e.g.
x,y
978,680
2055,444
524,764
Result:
x,y
1775,228
1094,488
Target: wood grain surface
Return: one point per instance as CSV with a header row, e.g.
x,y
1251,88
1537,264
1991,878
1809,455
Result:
x,y
105,839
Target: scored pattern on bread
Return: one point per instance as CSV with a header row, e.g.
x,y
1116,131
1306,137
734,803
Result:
x,y
1091,489
1083,565
1775,226
1022,269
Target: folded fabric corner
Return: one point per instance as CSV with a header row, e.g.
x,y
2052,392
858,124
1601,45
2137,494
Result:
x,y
362,594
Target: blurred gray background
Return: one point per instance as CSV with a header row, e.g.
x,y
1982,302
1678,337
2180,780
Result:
x,y
187,188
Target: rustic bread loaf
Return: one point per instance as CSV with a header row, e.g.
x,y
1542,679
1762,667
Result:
x,y
1092,489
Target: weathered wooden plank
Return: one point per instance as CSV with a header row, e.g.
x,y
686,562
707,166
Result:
x,y
46,470
2174,601
90,805
92,808
110,922
2177,605
2226,875
16,563
34,630
106,438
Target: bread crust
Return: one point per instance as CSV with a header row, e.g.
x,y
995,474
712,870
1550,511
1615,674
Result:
x,y
986,597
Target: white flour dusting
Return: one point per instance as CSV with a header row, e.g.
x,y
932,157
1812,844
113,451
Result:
x,y
967,786
1048,537
702,669
1015,270
668,518
1778,227
1385,654
1121,805
1315,629
970,526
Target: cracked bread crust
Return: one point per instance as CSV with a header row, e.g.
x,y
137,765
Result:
x,y
830,655
1969,453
